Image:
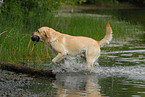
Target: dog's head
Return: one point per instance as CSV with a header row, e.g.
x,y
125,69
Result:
x,y
41,34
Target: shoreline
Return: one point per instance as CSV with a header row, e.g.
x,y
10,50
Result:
x,y
117,6
95,7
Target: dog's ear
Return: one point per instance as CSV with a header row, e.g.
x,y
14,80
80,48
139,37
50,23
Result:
x,y
41,30
47,33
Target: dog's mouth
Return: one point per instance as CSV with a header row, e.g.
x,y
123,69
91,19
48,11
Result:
x,y
35,38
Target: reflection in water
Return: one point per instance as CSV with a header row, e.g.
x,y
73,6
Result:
x,y
108,81
77,85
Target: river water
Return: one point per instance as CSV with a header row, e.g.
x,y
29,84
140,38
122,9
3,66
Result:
x,y
121,72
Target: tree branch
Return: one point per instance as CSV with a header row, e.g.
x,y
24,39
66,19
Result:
x,y
26,70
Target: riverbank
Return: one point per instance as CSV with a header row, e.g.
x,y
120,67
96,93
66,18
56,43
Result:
x,y
23,85
102,6
114,6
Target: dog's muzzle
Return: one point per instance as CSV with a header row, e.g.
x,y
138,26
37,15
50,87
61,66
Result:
x,y
35,38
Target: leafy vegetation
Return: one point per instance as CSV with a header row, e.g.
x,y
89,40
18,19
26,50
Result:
x,y
25,11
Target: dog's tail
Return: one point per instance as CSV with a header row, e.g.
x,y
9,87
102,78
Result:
x,y
108,35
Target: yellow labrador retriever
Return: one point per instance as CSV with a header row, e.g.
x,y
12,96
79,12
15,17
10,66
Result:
x,y
65,44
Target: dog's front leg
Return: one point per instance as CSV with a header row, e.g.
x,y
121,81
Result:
x,y
59,57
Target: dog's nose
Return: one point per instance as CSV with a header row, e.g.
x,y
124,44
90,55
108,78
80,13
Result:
x,y
35,38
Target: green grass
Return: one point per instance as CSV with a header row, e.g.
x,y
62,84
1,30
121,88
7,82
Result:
x,y
16,47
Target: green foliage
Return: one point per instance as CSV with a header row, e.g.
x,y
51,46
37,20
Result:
x,y
27,6
16,9
25,12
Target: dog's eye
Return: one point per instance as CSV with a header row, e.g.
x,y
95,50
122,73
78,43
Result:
x,y
38,31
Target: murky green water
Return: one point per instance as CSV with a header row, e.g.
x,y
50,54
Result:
x,y
121,72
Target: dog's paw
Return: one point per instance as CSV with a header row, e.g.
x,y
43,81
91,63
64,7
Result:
x,y
91,70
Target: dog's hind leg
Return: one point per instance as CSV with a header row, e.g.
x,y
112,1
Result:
x,y
90,62
91,56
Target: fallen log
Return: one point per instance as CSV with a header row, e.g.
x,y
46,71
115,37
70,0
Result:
x,y
26,70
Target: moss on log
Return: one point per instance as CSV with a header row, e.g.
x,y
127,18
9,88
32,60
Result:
x,y
26,70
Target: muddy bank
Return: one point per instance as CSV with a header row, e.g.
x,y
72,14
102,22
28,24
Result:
x,y
11,83
18,85
23,81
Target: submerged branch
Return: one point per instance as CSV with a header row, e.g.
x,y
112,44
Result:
x,y
26,70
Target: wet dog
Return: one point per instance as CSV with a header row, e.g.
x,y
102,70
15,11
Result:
x,y
65,45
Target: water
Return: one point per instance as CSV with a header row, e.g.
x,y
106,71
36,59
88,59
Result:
x,y
121,73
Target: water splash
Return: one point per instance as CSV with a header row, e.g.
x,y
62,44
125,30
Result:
x,y
73,65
